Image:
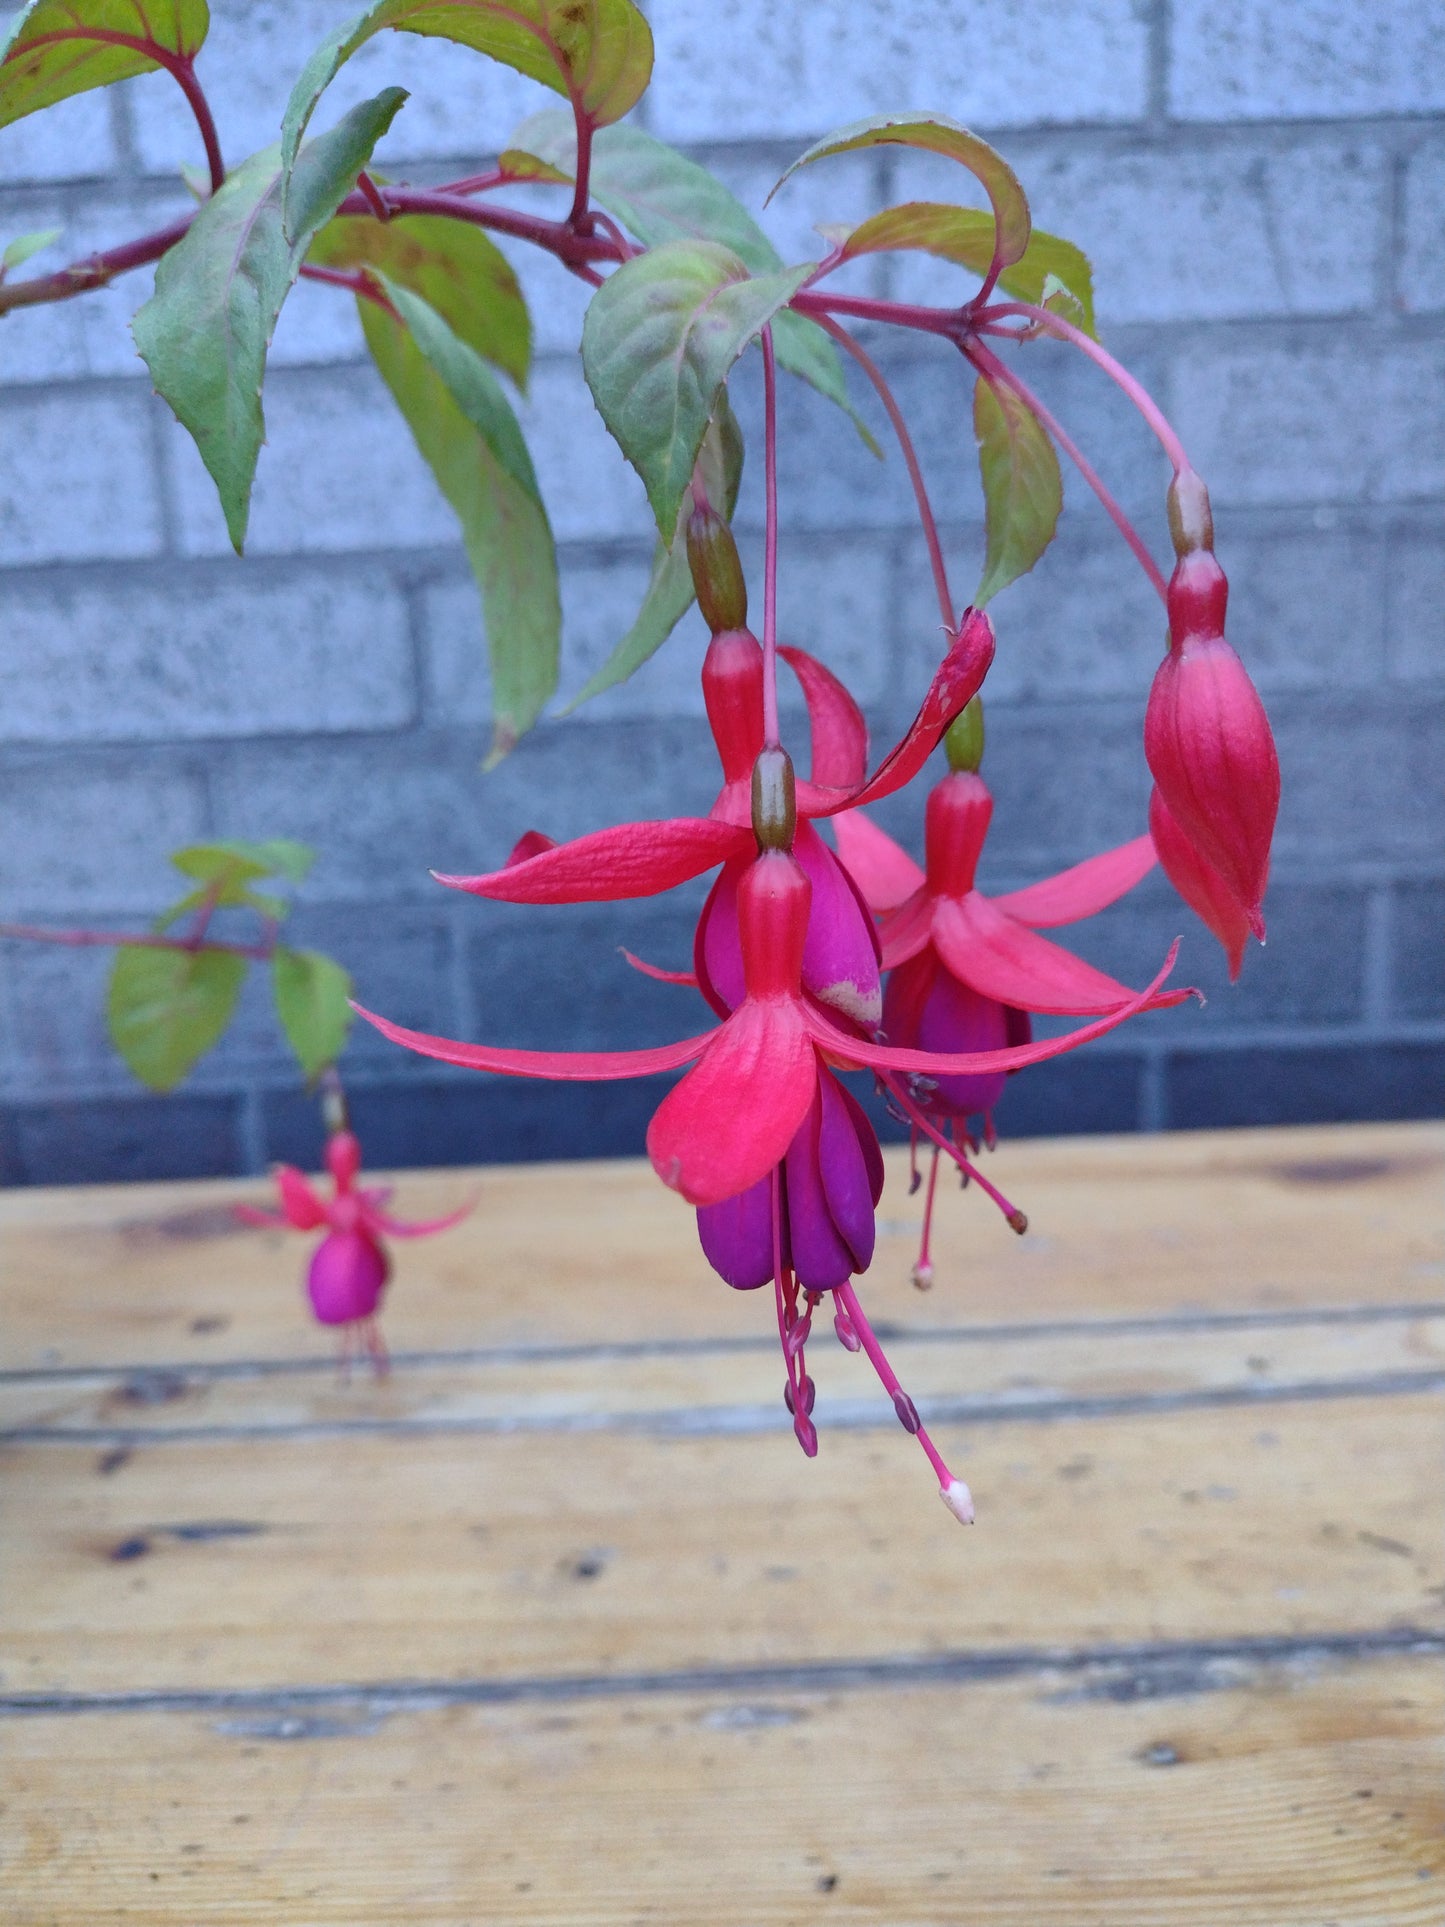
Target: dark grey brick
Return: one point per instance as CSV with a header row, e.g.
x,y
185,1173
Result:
x,y
1419,984
1315,1084
119,1139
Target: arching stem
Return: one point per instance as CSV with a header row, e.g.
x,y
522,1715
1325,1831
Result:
x,y
770,543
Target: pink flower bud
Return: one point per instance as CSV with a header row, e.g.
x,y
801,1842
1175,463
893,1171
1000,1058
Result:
x,y
1208,741
1199,883
347,1274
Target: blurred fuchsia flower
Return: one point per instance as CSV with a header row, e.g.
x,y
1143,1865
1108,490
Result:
x,y
350,1267
967,970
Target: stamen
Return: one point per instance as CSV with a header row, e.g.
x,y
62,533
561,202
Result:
x,y
954,1492
923,1270
376,1347
915,1176
1014,1217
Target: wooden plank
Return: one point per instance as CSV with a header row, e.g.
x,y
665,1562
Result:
x,y
356,1557
579,1253
738,1386
1284,1795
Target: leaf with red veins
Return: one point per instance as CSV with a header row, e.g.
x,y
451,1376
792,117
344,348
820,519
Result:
x,y
958,680
419,1228
629,860
1084,890
732,1119
902,936
299,1202
656,971
566,1067
840,735
1002,959
882,869
841,1048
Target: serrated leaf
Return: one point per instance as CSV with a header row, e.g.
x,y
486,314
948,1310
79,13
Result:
x,y
55,48
311,1001
596,53
658,341
660,195
472,442
24,246
1023,491
938,135
670,591
166,1008
205,332
243,862
965,235
456,270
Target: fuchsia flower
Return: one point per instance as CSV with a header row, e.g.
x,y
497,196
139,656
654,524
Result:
x,y
1208,744
968,970
350,1267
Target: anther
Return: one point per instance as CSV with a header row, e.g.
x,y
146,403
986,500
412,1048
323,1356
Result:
x,y
847,1337
807,1436
907,1413
1018,1222
922,1276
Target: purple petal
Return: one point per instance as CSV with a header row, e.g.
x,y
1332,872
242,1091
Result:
x,y
956,1018
717,951
844,1137
821,1258
840,957
737,1236
868,1138
346,1276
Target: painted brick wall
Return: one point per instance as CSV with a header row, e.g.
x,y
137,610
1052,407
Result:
x,y
1262,189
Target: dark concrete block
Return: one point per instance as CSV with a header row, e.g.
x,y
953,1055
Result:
x,y
1317,1084
1419,973
114,1140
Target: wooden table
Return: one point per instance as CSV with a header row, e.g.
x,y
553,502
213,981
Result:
x,y
557,1624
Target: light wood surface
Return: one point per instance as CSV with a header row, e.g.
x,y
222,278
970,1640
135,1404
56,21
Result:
x,y
557,1625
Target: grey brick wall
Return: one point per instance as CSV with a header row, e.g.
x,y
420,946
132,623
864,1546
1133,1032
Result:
x,y
1262,189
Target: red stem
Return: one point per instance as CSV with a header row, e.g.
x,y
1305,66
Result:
x,y
934,321
577,219
89,939
915,472
184,73
356,280
372,195
770,542
93,272
477,183
988,363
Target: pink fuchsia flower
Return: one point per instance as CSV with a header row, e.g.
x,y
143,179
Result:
x,y
967,971
1209,747
757,1081
1199,883
350,1267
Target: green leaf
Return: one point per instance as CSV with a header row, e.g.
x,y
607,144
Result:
x,y
965,235
205,331
24,246
166,1008
660,195
53,48
311,1001
660,336
242,862
465,429
455,269
518,166
939,135
596,53
1023,491
669,590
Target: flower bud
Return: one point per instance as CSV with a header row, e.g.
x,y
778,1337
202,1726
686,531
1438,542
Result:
x,y
775,805
1199,883
1209,748
717,571
1191,520
963,743
732,690
347,1274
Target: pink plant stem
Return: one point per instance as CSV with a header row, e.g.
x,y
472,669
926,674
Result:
x,y
478,183
1134,389
355,280
1016,1219
987,362
889,1378
184,74
92,272
915,473
89,939
770,543
578,219
555,236
925,1257
934,321
372,195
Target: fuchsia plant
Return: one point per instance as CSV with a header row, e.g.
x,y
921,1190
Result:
x,y
775,1154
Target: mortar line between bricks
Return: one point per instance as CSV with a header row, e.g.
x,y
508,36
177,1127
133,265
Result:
x,y
1135,1670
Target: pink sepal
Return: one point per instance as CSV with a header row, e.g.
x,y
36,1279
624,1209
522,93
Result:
x,y
908,932
1084,890
840,735
568,1067
421,1227
656,970
1002,959
1200,884
882,869
628,860
252,1214
300,1203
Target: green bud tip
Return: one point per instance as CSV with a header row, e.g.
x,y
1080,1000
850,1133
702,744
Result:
x,y
775,805
963,744
1191,521
717,571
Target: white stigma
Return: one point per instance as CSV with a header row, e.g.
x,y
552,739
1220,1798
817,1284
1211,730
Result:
x,y
959,1500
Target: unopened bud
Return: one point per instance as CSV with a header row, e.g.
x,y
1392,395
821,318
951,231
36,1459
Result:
x,y
1191,520
775,803
963,743
717,571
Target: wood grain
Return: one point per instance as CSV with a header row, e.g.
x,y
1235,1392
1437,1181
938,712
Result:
x,y
160,1274
1282,1795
